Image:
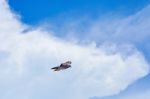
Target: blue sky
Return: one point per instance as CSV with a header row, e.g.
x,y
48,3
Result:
x,y
59,12
32,13
106,40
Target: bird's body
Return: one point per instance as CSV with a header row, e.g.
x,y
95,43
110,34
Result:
x,y
62,66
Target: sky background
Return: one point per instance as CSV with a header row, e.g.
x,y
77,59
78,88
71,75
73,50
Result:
x,y
106,40
32,13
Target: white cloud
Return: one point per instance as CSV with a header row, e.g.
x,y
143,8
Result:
x,y
26,59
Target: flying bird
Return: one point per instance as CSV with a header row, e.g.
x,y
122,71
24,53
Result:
x,y
62,66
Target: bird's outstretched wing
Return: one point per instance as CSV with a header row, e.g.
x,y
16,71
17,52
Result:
x,y
55,67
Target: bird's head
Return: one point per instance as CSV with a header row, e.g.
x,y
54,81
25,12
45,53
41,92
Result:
x,y
68,62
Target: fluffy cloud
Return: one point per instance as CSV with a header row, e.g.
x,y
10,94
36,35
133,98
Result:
x,y
25,60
